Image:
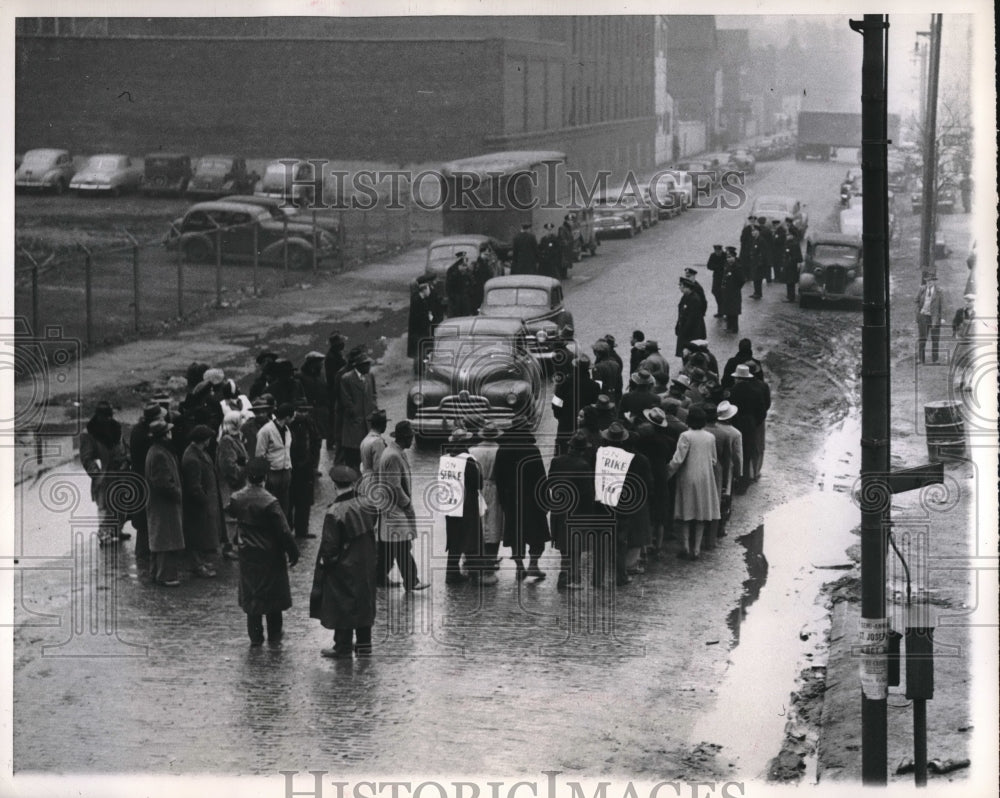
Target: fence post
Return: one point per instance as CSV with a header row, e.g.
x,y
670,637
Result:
x,y
408,229
218,268
315,245
256,255
136,285
284,248
88,296
180,286
34,298
341,241
364,236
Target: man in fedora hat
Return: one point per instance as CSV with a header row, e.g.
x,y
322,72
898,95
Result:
x,y
744,354
640,395
750,397
715,263
265,541
654,362
930,310
690,314
677,399
357,401
606,370
304,451
164,507
729,450
397,527
334,363
571,474
524,252
343,591
657,435
261,408
139,442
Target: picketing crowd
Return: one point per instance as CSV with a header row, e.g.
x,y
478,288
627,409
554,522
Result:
x,y
641,460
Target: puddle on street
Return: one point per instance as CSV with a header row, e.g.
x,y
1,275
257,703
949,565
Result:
x,y
778,627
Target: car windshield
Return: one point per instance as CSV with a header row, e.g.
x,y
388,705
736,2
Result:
x,y
506,297
104,164
836,255
446,254
449,351
38,159
770,207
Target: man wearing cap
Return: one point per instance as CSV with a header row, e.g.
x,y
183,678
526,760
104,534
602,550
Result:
x,y
570,494
203,520
690,315
524,252
753,259
654,362
104,455
729,450
343,589
397,525
425,314
791,257
274,444
139,442
304,452
357,402
692,275
607,371
333,364
458,287
639,397
164,508
733,278
259,384
930,309
265,542
613,344
716,262
574,392
550,253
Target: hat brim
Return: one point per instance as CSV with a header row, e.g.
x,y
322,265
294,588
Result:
x,y
625,436
646,414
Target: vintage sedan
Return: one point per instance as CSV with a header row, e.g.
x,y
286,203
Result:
x,y
479,369
944,201
113,173
219,176
744,159
533,299
781,207
832,269
610,221
443,252
298,173
230,228
280,211
166,173
45,170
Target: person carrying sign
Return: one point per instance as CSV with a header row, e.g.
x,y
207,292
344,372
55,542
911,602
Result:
x,y
460,481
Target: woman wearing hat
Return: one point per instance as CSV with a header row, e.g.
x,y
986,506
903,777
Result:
x,y
729,448
231,463
696,501
164,508
202,502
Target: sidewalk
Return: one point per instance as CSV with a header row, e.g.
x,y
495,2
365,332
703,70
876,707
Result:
x,y
292,323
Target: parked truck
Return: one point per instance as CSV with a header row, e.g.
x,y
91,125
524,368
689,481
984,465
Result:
x,y
821,132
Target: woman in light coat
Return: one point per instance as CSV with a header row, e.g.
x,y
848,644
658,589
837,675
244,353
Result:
x,y
696,500
230,463
485,453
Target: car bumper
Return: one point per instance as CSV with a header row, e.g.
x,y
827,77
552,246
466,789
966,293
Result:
x,y
92,187
34,183
853,290
441,421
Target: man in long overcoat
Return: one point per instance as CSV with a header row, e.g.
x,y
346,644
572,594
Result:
x,y
690,315
791,257
574,392
716,262
139,443
357,401
550,253
343,590
733,278
265,542
425,314
164,512
202,502
397,527
519,471
753,259
458,287
333,362
750,396
570,494
524,252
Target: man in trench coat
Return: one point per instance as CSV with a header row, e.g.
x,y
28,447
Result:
x,y
164,513
357,400
202,502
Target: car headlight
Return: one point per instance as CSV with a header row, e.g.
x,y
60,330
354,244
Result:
x,y
818,272
851,274
417,399
512,398
541,336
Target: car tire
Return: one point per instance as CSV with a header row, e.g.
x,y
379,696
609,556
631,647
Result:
x,y
198,250
631,232
299,259
59,188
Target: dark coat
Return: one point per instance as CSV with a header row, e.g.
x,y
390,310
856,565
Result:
x,y
732,363
570,492
690,319
576,391
355,404
608,373
754,257
458,289
265,541
519,471
425,314
731,300
164,513
343,590
791,257
715,263
231,462
658,444
138,445
463,534
550,256
203,522
103,454
634,402
632,515
524,257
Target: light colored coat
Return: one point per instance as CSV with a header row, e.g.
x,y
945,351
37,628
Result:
x,y
397,521
697,494
485,454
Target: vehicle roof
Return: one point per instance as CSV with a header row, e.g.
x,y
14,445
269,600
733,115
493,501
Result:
x,y
511,161
219,158
835,238
774,199
479,325
46,151
107,155
167,155
521,281
471,238
251,199
219,205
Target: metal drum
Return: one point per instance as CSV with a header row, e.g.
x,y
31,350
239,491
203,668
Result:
x,y
945,430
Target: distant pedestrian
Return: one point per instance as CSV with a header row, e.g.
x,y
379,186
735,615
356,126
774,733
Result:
x,y
304,451
965,187
550,253
203,520
566,246
733,278
426,313
524,252
963,327
343,589
104,455
357,401
696,502
570,493
333,363
458,286
164,510
690,315
753,259
930,310
265,543
274,444
231,463
520,470
716,262
791,257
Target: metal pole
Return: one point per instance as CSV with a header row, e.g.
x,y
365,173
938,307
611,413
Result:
x,y
315,243
136,286
256,255
180,287
34,299
920,742
88,296
218,268
928,213
875,426
284,247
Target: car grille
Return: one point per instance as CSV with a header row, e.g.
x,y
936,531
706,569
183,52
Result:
x,y
456,408
836,279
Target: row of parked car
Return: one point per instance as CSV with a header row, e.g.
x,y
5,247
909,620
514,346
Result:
x,y
159,173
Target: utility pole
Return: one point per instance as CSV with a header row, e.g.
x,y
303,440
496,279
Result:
x,y
928,216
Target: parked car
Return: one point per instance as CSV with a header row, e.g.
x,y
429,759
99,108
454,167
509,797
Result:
x,y
779,207
944,202
627,207
166,173
637,201
674,188
220,175
280,211
275,180
114,173
832,269
443,252
479,369
45,170
744,159
612,221
232,225
534,299
702,166
585,238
